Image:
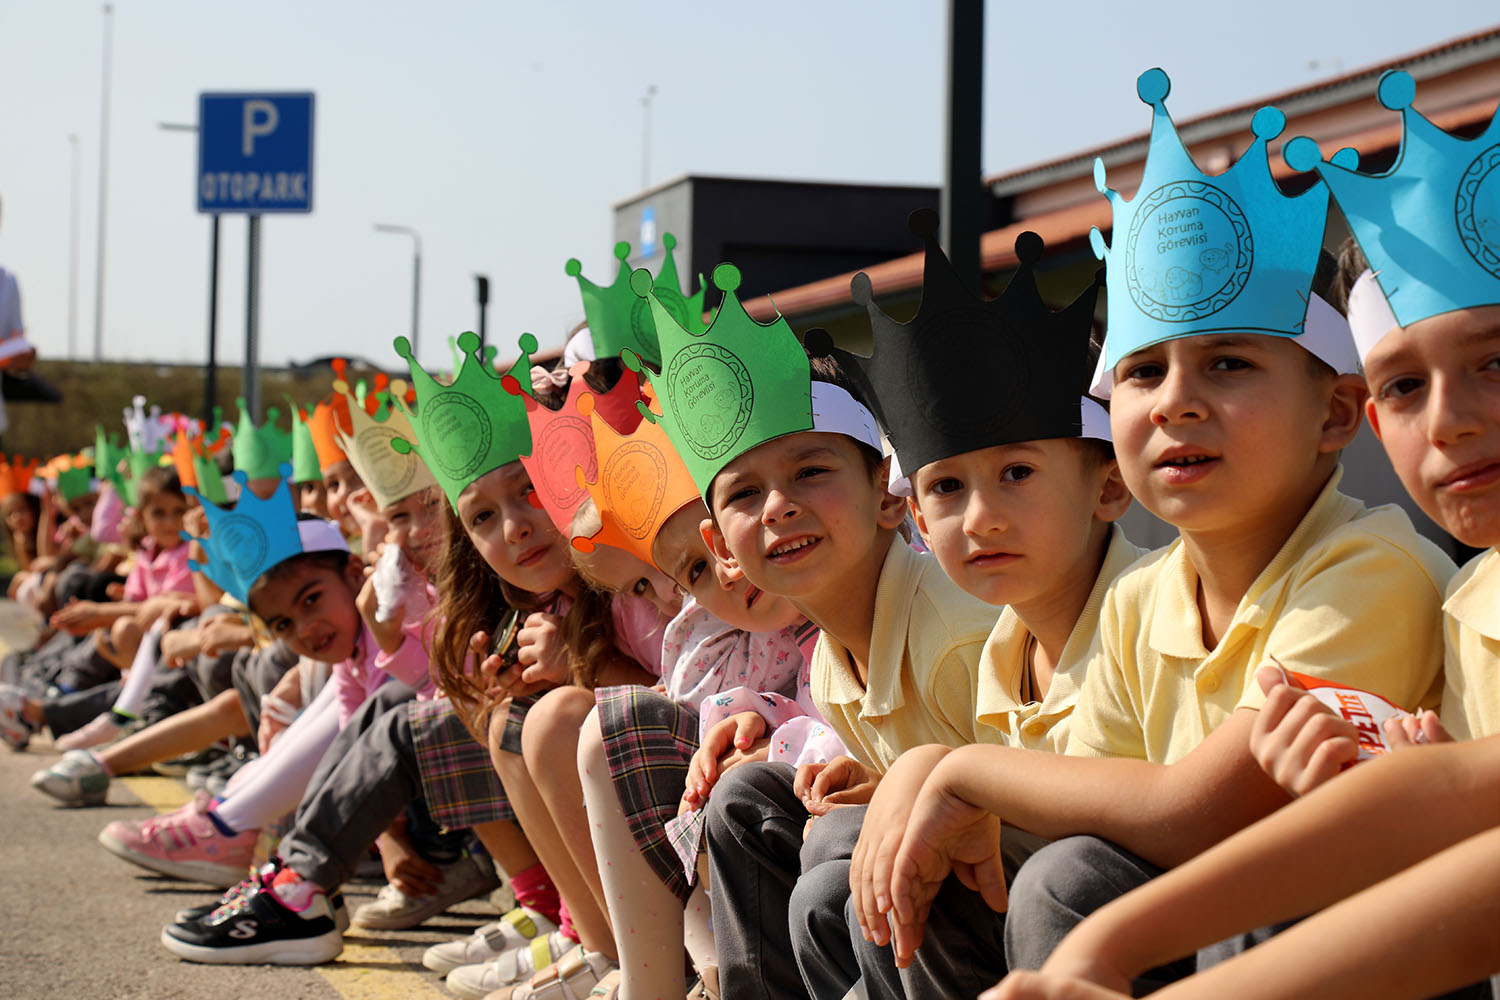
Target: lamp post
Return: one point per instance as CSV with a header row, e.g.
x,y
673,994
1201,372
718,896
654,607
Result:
x,y
646,135
211,369
73,247
109,12
416,275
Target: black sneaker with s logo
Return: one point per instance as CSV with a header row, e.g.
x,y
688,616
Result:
x,y
257,929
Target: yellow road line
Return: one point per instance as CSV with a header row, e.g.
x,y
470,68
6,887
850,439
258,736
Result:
x,y
161,794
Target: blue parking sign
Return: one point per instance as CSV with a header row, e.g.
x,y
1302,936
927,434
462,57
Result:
x,y
255,153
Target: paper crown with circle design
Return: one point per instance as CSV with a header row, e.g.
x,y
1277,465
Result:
x,y
966,373
314,447
1193,254
1429,226
257,535
16,473
473,426
192,454
729,388
259,452
375,425
562,440
641,482
619,320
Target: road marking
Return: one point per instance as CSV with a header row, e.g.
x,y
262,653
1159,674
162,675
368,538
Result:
x,y
161,794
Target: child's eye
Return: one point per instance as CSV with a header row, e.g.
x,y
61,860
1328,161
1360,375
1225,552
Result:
x,y
1143,371
478,518
1230,365
740,494
640,587
947,486
1398,388
1016,473
809,471
696,570
312,598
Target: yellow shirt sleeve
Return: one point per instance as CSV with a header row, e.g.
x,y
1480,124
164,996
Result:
x,y
1107,721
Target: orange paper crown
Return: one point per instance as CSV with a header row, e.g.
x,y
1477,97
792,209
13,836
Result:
x,y
562,440
641,483
15,476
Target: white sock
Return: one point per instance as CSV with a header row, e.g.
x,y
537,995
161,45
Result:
x,y
278,783
647,917
142,671
698,928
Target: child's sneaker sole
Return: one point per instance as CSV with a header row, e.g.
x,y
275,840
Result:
x,y
207,872
301,951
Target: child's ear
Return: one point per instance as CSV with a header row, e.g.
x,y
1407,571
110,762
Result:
x,y
1346,408
714,539
892,508
1114,496
1373,416
354,573
916,515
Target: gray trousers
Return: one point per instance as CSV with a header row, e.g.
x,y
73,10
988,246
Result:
x,y
365,780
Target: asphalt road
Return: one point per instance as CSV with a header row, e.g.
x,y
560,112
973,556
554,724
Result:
x,y
78,923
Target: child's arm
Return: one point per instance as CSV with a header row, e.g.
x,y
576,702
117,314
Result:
x,y
85,616
1318,850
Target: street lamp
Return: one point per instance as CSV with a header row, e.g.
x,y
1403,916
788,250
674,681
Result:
x,y
416,275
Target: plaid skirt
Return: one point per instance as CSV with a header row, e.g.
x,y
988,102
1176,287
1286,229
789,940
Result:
x,y
649,740
458,777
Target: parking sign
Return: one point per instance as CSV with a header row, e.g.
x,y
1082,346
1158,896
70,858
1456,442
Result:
x,y
255,153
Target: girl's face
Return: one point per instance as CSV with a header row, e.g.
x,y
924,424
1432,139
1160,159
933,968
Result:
x,y
623,573
515,538
417,525
719,589
339,480
20,520
312,498
162,518
83,507
1435,405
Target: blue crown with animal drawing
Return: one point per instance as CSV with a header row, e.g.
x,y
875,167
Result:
x,y
245,542
1430,225
1192,254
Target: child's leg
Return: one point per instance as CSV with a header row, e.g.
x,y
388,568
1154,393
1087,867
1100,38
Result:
x,y
549,747
275,787
505,842
179,734
754,833
647,916
125,636
820,933
142,671
531,812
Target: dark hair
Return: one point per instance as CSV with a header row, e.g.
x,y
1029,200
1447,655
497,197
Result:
x,y
827,369
1094,451
25,545
1346,270
155,481
333,560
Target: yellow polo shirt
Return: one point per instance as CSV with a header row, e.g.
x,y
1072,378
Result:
x,y
1354,595
1043,725
1471,667
925,646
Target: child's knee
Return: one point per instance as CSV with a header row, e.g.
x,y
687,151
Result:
x,y
554,720
591,744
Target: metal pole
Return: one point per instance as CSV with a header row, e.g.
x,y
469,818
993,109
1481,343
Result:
x,y
250,378
211,380
482,284
962,209
73,249
103,187
646,136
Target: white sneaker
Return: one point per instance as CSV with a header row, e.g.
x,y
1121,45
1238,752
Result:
x,y
101,729
78,779
517,929
394,910
475,982
14,729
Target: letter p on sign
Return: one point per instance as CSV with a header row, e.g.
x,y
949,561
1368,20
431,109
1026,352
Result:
x,y
261,119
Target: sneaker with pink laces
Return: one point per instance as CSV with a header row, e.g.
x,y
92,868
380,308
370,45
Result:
x,y
183,844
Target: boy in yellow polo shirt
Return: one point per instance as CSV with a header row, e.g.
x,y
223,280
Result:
x,y
1230,405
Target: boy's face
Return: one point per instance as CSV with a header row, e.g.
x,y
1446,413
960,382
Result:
x,y
1011,523
339,480
797,513
622,573
162,518
83,507
312,608
1221,432
1435,405
722,590
417,525
515,538
312,498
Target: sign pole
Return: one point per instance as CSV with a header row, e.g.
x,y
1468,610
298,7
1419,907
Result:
x,y
211,384
250,377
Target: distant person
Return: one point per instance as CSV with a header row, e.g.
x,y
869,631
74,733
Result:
x,y
16,353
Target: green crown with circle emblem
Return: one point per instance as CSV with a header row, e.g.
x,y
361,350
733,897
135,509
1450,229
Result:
x,y
619,320
727,388
473,426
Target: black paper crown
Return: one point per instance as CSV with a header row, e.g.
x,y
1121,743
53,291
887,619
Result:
x,y
966,373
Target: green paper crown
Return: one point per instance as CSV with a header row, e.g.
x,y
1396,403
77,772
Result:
x,y
305,467
473,426
259,452
107,456
75,481
620,320
729,388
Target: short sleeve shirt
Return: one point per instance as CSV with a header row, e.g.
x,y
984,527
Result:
x,y
1471,669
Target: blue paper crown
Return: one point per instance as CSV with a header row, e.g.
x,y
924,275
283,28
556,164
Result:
x,y
1193,254
1430,225
245,542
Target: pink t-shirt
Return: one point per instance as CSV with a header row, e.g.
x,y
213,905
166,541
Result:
x,y
159,571
639,629
409,664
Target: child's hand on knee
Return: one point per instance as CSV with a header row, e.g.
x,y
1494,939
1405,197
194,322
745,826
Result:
x,y
727,743
1296,739
842,781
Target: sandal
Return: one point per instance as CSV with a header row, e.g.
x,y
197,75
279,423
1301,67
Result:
x,y
609,986
569,978
707,986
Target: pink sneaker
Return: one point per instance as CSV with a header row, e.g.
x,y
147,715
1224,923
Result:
x,y
183,844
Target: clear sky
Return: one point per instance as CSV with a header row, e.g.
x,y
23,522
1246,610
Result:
x,y
504,132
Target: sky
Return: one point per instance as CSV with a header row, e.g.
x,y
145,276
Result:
x,y
504,132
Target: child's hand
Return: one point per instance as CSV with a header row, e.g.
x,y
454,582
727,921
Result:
x,y
727,743
222,633
405,868
79,617
1416,730
541,659
195,522
842,781
1296,739
1024,985
388,634
181,645
943,834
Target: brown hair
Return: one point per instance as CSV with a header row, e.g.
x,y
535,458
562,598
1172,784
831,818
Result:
x,y
155,481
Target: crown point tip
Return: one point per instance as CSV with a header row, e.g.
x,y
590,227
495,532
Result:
x,y
727,278
923,223
640,281
1268,123
1029,247
1348,158
669,241
622,250
1397,90
1301,153
1153,86
574,267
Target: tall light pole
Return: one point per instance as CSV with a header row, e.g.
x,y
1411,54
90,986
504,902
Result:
x,y
416,276
73,246
211,367
646,135
109,12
